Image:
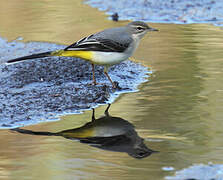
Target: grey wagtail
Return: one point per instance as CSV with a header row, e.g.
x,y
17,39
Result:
x,y
105,48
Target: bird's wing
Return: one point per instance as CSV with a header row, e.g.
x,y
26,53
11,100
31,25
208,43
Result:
x,y
105,41
96,44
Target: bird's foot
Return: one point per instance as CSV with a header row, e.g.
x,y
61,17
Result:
x,y
95,84
115,85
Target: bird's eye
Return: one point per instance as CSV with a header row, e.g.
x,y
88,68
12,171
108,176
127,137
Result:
x,y
140,28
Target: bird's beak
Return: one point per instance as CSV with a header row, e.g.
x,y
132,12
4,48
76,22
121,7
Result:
x,y
152,29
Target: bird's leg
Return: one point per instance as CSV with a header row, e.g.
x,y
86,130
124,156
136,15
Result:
x,y
93,115
106,73
93,71
106,111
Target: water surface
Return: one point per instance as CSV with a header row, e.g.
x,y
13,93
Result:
x,y
178,111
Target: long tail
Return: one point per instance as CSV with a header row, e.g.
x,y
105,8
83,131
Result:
x,y
40,133
81,54
33,56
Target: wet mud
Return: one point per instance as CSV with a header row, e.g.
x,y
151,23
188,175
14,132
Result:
x,y
42,89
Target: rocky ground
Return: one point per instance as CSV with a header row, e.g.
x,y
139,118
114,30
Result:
x,y
41,89
199,172
168,11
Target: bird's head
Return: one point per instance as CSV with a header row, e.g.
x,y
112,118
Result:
x,y
139,28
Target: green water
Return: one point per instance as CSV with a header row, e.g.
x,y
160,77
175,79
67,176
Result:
x,y
178,111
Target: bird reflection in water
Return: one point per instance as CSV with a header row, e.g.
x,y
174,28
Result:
x,y
108,133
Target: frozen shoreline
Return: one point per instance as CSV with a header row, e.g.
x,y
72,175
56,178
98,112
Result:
x,y
168,11
42,89
199,172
